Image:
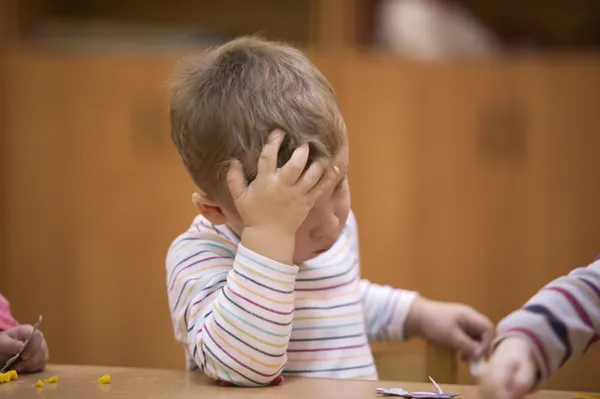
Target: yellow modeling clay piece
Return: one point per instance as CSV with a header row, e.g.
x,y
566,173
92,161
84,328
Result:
x,y
51,380
105,379
12,375
39,384
586,396
4,378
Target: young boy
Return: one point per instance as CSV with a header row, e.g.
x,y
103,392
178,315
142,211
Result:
x,y
559,323
267,278
12,336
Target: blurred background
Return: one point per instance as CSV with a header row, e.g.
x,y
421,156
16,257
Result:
x,y
475,168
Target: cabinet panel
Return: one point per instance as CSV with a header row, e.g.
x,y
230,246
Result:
x,y
474,182
96,193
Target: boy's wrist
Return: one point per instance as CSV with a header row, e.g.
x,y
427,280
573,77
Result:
x,y
271,243
414,320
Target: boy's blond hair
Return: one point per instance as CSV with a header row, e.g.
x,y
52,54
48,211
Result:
x,y
225,103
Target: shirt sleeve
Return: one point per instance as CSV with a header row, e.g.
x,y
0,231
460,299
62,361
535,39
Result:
x,y
385,307
561,322
7,321
231,309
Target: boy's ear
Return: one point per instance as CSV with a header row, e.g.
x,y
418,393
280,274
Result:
x,y
208,208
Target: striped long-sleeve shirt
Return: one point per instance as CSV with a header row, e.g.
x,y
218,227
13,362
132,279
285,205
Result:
x,y
561,322
246,319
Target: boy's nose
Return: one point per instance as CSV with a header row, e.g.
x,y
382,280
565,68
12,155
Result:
x,y
327,228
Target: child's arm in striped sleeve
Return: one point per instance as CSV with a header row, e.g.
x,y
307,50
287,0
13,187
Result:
x,y
232,311
562,321
385,307
558,324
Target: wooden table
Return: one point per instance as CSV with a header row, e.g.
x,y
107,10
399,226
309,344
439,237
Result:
x,y
81,382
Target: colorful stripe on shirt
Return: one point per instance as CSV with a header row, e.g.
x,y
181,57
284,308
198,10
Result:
x,y
246,319
569,329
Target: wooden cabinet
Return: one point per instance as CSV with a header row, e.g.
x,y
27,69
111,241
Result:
x,y
475,182
95,192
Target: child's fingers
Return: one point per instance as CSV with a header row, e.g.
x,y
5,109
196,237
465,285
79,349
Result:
x,y
292,170
20,332
481,329
236,180
312,176
327,180
9,346
523,378
34,346
34,363
267,162
485,342
496,381
464,343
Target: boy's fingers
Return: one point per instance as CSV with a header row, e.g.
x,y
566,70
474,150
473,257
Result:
x,y
312,176
476,324
236,180
325,182
267,162
479,328
464,343
292,170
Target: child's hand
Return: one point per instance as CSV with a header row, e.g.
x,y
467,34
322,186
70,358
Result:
x,y
453,325
34,357
9,346
510,372
278,199
274,205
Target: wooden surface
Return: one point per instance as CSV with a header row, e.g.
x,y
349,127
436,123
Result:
x,y
81,382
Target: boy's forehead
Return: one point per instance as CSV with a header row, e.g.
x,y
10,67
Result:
x,y
342,158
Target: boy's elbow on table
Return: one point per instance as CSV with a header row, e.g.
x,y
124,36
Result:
x,y
230,366
239,375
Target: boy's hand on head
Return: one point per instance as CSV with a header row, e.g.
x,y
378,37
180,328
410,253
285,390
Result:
x,y
274,205
453,325
511,371
35,356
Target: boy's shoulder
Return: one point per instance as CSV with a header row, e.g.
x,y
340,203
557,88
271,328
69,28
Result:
x,y
202,235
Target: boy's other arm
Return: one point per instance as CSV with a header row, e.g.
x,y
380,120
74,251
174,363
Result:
x,y
234,312
386,310
397,314
561,322
385,307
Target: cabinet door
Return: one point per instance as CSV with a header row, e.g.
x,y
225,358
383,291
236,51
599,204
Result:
x,y
96,193
475,182
562,225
